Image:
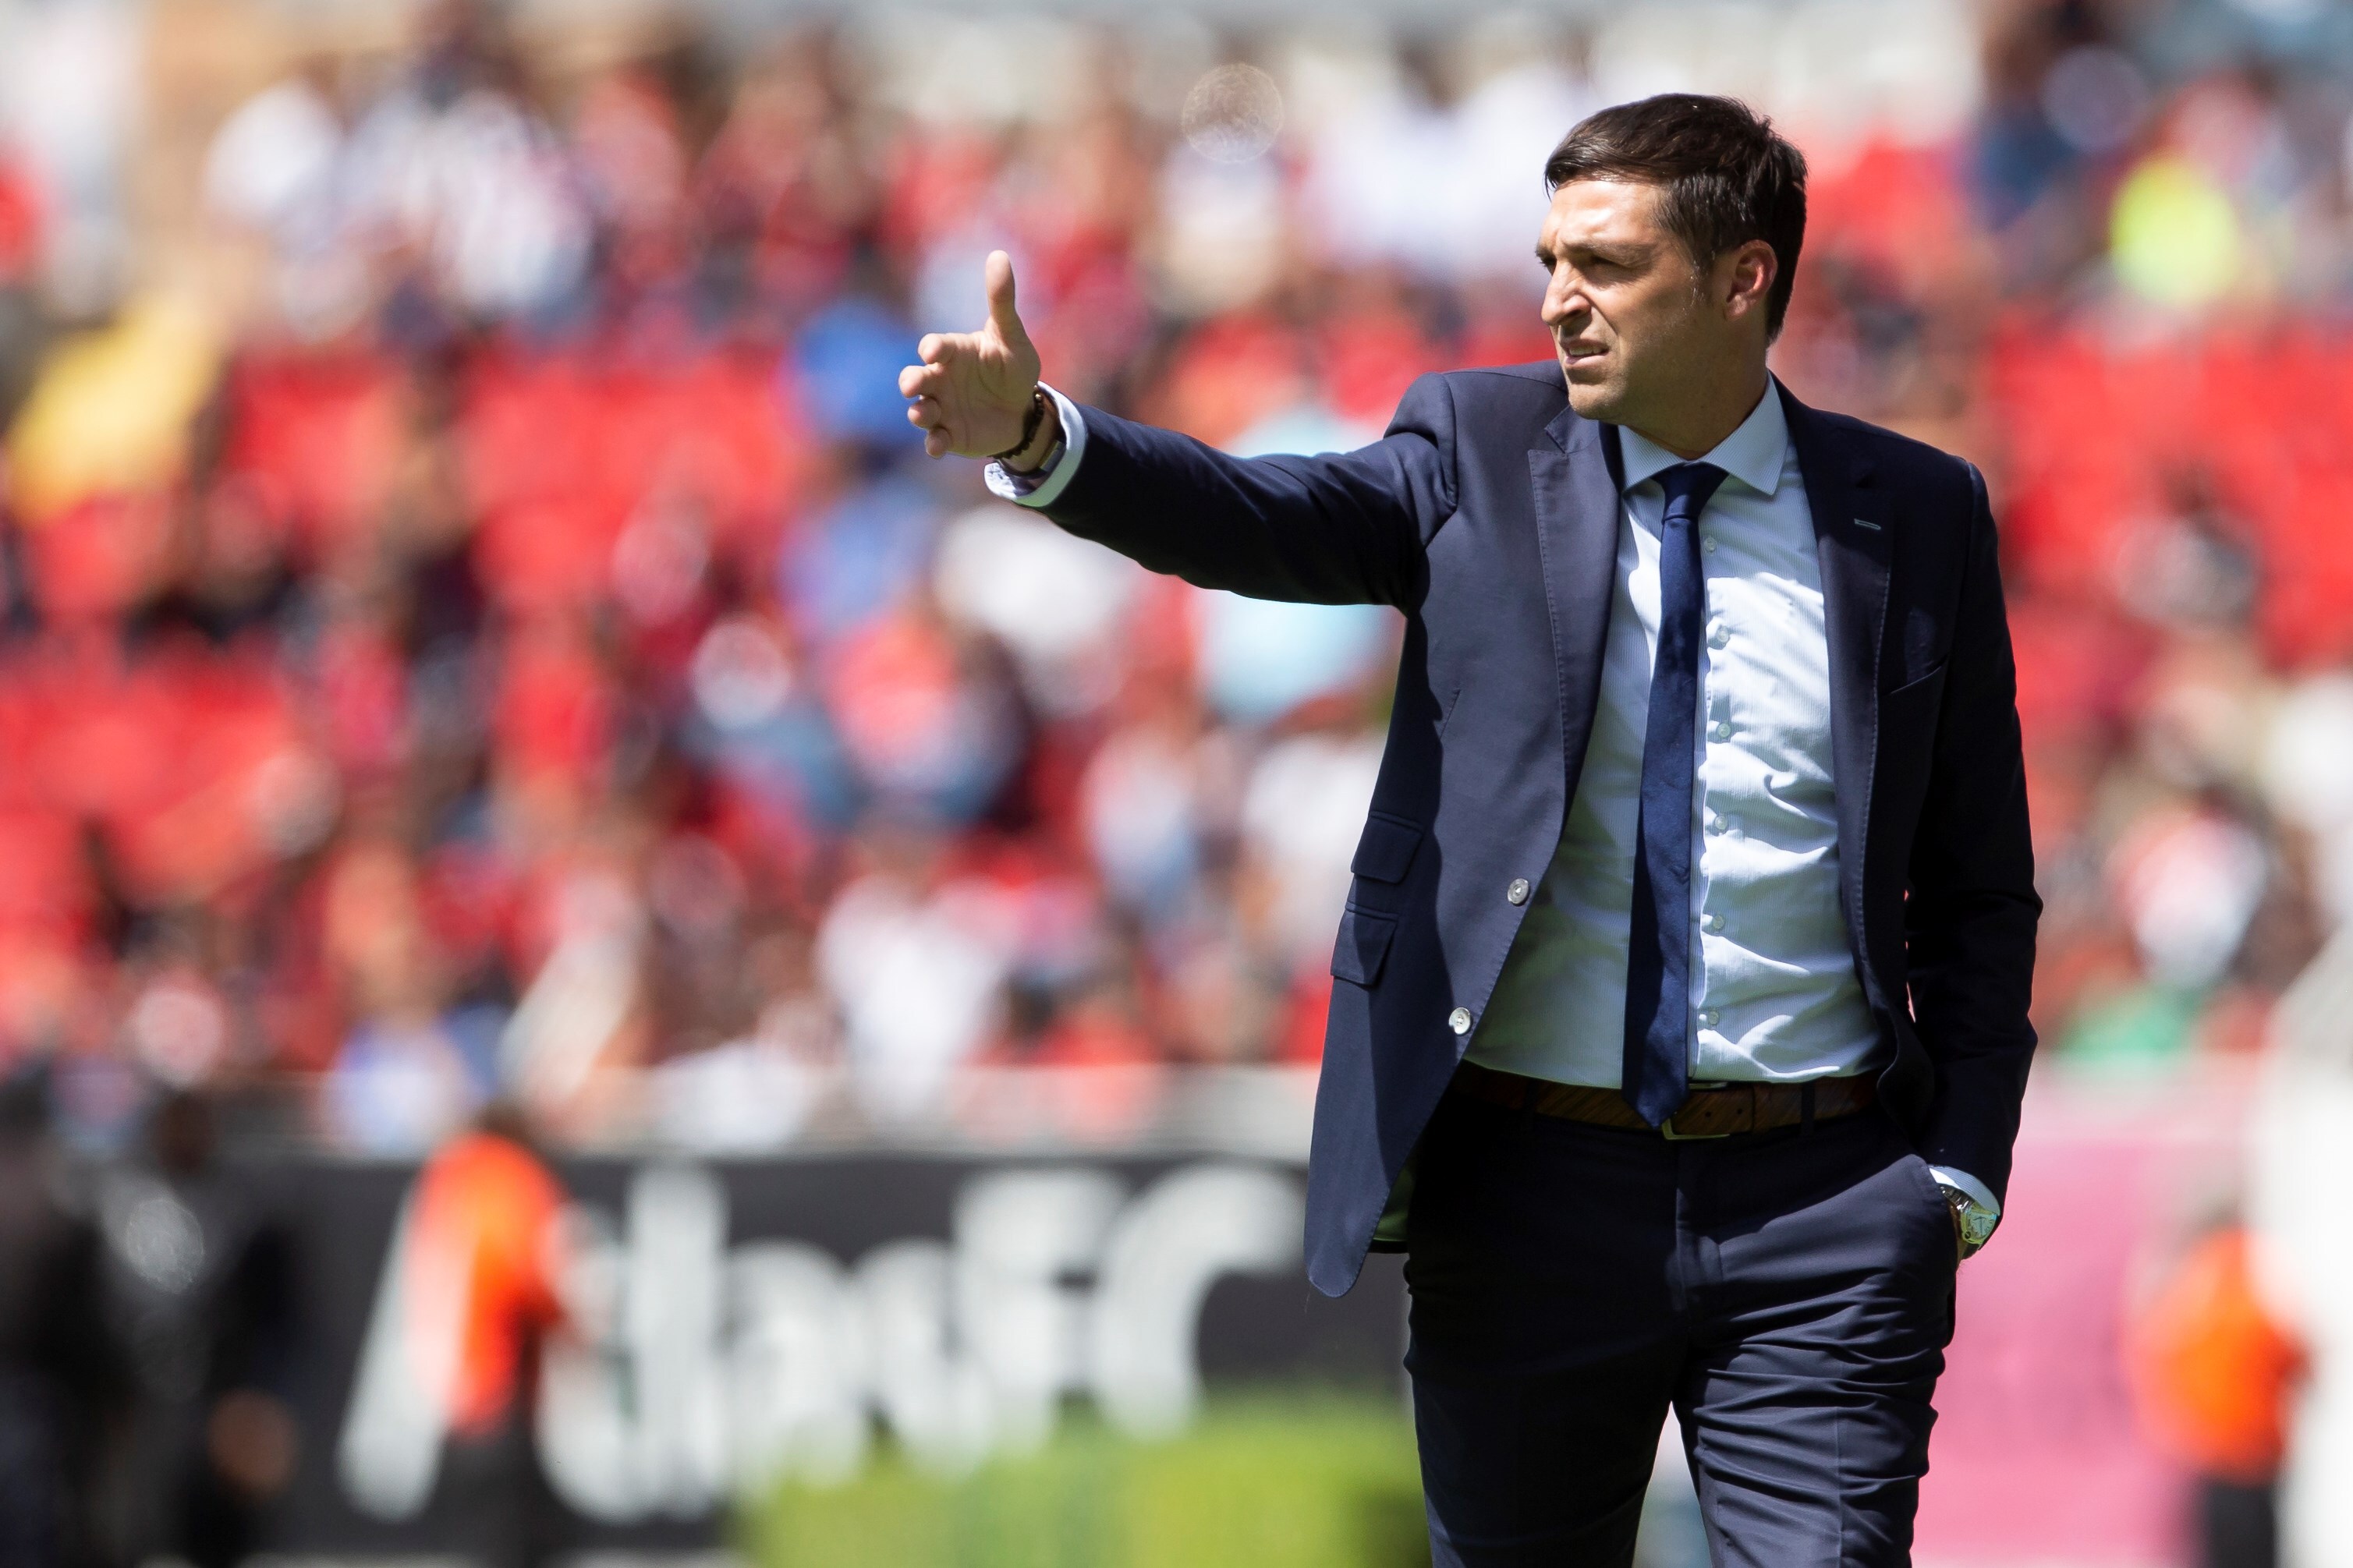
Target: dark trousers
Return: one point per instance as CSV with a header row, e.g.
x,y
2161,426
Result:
x,y
1790,1294
496,1497
2238,1524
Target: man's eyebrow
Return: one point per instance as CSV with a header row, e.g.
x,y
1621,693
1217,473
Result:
x,y
1621,253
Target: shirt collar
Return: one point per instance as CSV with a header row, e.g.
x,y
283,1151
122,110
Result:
x,y
1753,454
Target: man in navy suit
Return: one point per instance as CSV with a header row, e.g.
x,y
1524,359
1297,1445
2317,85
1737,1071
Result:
x,y
1679,1024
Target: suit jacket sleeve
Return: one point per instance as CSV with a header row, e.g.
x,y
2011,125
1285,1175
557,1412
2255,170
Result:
x,y
1970,917
1340,528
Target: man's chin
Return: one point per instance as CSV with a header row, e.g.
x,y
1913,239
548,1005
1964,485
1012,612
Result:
x,y
1594,398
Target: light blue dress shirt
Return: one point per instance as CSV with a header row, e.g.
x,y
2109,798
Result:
x,y
1774,994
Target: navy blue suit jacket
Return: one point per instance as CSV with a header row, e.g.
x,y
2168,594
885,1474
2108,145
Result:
x,y
1489,515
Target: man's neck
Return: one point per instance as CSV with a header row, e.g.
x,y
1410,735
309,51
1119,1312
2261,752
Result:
x,y
1700,429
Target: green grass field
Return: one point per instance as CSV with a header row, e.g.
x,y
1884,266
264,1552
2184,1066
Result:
x,y
1290,1481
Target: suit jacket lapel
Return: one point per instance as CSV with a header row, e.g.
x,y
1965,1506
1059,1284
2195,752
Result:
x,y
1573,471
1855,542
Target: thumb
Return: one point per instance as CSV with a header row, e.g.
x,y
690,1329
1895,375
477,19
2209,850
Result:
x,y
998,273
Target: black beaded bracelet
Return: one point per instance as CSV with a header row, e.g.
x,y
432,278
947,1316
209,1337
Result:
x,y
1037,416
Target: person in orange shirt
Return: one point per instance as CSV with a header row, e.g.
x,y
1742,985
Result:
x,y
2214,1374
487,1209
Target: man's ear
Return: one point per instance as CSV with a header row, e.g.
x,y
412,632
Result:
x,y
1745,276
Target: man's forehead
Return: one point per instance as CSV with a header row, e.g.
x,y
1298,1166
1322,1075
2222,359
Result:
x,y
1622,209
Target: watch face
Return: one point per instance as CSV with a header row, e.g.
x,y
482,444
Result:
x,y
1975,1221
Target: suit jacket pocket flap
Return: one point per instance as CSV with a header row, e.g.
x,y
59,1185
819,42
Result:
x,y
1924,686
1363,943
1385,850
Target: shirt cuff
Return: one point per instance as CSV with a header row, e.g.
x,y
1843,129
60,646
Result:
x,y
1968,1186
1044,488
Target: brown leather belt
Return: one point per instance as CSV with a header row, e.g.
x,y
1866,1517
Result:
x,y
1713,1111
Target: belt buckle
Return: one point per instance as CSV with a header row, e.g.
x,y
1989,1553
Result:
x,y
1667,1128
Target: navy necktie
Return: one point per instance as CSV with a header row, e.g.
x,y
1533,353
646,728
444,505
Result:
x,y
1657,958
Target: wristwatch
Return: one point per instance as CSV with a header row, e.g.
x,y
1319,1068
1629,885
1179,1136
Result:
x,y
1972,1221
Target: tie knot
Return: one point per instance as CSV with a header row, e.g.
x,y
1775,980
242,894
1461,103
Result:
x,y
1688,486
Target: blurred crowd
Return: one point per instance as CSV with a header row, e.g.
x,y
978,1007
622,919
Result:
x,y
474,623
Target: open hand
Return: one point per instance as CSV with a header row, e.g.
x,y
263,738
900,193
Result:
x,y
973,390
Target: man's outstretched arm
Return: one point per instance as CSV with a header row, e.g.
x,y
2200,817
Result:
x,y
1337,529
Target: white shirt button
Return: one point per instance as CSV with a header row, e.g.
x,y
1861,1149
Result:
x,y
1720,636
1517,892
1716,823
1708,545
1708,1016
1720,731
1459,1020
1714,923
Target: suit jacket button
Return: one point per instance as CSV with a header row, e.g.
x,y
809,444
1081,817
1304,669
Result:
x,y
1518,891
1459,1020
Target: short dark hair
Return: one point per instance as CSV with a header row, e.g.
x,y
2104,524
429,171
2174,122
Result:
x,y
1724,176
